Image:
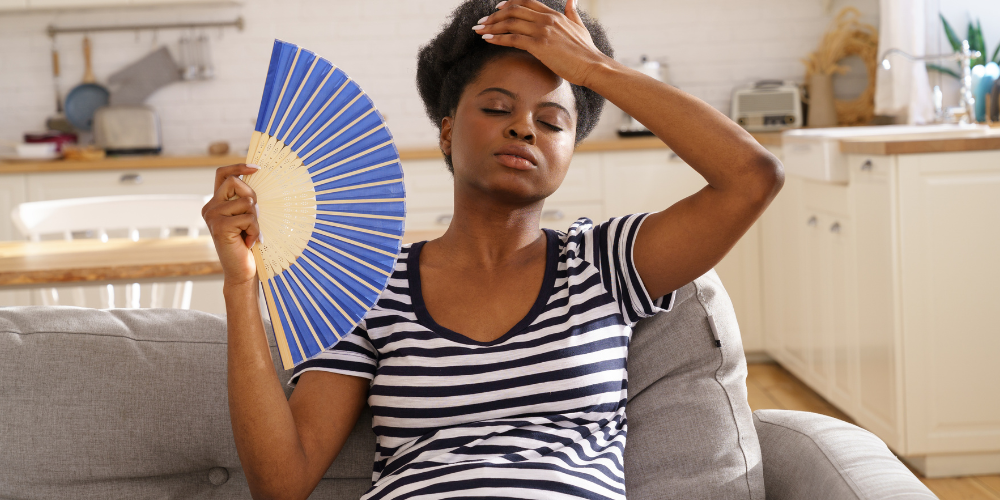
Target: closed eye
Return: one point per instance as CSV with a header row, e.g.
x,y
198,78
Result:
x,y
553,127
491,111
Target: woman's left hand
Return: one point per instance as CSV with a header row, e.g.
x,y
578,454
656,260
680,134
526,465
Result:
x,y
559,40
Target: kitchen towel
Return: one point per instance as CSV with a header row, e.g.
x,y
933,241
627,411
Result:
x,y
137,81
903,91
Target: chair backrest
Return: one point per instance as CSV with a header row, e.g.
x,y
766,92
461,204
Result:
x,y
106,213
132,213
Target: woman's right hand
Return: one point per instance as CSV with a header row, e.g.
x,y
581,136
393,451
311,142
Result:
x,y
232,221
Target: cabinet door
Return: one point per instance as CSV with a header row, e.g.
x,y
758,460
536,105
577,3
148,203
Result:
x,y
877,241
646,181
59,185
785,225
950,262
12,189
829,336
12,193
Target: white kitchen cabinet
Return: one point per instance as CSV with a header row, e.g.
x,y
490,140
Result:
x,y
889,317
828,288
808,268
879,405
949,226
59,185
12,193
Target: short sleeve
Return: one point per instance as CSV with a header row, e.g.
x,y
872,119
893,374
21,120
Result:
x,y
608,246
353,355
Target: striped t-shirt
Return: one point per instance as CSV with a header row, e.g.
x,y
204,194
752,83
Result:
x,y
537,413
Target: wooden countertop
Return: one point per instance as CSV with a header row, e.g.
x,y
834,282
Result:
x,y
79,261
902,146
144,162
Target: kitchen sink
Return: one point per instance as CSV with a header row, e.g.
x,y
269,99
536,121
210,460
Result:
x,y
815,153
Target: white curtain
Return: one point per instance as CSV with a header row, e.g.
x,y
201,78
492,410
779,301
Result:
x,y
904,90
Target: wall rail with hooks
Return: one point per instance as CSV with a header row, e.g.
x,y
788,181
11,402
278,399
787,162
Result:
x,y
53,30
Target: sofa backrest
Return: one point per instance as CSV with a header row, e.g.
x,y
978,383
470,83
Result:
x,y
132,404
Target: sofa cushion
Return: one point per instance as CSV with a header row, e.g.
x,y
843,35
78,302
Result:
x,y
822,458
128,404
690,429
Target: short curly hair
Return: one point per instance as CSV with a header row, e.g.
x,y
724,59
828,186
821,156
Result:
x,y
457,54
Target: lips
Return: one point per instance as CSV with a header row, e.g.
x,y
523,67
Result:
x,y
518,157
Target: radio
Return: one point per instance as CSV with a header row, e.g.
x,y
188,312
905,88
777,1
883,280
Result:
x,y
767,105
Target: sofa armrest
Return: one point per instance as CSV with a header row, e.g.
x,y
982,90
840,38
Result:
x,y
807,455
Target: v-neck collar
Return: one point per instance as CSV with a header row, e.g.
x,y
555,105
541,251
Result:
x,y
425,319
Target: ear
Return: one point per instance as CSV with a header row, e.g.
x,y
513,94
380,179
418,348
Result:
x,y
445,139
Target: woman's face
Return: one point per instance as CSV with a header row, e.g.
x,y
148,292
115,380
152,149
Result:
x,y
512,136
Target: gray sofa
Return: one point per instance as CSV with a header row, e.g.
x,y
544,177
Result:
x,y
132,404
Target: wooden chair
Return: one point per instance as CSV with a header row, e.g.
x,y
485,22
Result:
x,y
161,216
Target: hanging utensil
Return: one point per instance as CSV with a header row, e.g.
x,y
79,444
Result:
x,y
57,121
84,99
205,70
133,84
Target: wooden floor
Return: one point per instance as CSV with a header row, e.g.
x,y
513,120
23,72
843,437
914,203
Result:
x,y
771,386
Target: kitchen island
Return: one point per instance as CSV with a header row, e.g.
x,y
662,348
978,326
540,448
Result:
x,y
879,292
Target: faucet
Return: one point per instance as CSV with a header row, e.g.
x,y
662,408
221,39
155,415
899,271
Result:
x,y
967,111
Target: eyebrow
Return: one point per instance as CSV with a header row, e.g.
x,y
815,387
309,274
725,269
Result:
x,y
546,104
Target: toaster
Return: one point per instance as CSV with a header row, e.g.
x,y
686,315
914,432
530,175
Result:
x,y
127,130
767,105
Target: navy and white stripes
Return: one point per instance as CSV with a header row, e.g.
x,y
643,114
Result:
x,y
536,413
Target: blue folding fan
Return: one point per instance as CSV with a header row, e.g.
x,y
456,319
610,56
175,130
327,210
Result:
x,y
330,202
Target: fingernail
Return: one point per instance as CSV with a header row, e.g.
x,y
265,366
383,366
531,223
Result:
x,y
483,20
478,27
255,167
487,36
501,4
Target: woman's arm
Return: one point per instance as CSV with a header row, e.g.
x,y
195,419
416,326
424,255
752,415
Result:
x,y
284,446
682,242
694,234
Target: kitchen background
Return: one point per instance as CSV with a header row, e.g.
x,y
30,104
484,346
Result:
x,y
818,284
710,46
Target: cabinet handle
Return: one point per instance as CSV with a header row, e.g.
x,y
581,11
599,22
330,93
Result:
x,y
444,220
812,221
866,166
134,179
554,214
835,228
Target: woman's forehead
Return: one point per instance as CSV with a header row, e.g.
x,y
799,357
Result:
x,y
524,78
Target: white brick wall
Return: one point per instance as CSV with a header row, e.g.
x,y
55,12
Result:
x,y
711,46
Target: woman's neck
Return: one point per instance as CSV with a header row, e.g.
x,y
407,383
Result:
x,y
487,234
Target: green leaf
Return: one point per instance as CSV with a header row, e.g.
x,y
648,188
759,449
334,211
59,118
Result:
x,y
953,39
976,42
942,69
996,54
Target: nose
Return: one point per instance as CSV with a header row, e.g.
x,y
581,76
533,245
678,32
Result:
x,y
521,129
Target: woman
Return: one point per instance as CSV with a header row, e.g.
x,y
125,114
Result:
x,y
494,362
